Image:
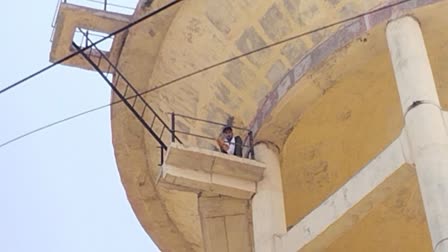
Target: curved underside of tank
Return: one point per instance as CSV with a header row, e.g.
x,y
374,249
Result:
x,y
327,100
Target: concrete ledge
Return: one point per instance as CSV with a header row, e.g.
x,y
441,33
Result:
x,y
213,161
350,203
211,171
72,16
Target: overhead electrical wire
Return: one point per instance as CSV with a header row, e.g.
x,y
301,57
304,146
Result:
x,y
55,123
184,76
124,28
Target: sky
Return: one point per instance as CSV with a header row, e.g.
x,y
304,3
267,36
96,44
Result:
x,y
59,188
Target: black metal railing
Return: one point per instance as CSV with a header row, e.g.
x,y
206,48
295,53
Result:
x,y
105,5
248,142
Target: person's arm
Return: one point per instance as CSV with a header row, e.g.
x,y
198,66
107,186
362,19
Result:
x,y
222,145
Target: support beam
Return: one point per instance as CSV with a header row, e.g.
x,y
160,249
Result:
x,y
424,123
226,224
268,211
350,203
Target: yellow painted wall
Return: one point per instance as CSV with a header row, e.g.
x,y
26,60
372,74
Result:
x,y
398,225
357,115
354,120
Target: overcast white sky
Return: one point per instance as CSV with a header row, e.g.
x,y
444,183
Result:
x,y
59,188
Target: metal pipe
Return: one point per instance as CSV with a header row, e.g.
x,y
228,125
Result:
x,y
161,155
87,38
251,145
173,127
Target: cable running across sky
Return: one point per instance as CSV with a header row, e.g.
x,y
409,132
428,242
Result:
x,y
383,8
124,28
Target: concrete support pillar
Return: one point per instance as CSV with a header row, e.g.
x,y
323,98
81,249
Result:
x,y
225,224
424,124
268,211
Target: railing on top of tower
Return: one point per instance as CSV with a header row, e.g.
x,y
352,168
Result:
x,y
100,58
105,5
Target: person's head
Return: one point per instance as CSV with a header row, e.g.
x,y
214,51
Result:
x,y
227,132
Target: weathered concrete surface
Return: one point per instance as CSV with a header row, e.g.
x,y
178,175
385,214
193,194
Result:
x,y
396,224
159,215
348,116
193,158
70,17
350,203
359,114
226,224
211,172
277,103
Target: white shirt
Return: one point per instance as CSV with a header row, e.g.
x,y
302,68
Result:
x,y
231,145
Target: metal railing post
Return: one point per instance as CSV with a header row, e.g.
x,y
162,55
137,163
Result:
x,y
105,5
251,145
162,154
87,38
173,127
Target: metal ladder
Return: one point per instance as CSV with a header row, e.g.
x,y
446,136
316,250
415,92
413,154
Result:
x,y
131,101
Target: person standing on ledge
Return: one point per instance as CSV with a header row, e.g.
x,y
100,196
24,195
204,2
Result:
x,y
230,144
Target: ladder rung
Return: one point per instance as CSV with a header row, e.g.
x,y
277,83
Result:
x,y
163,130
143,112
125,91
135,100
99,61
116,80
153,120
